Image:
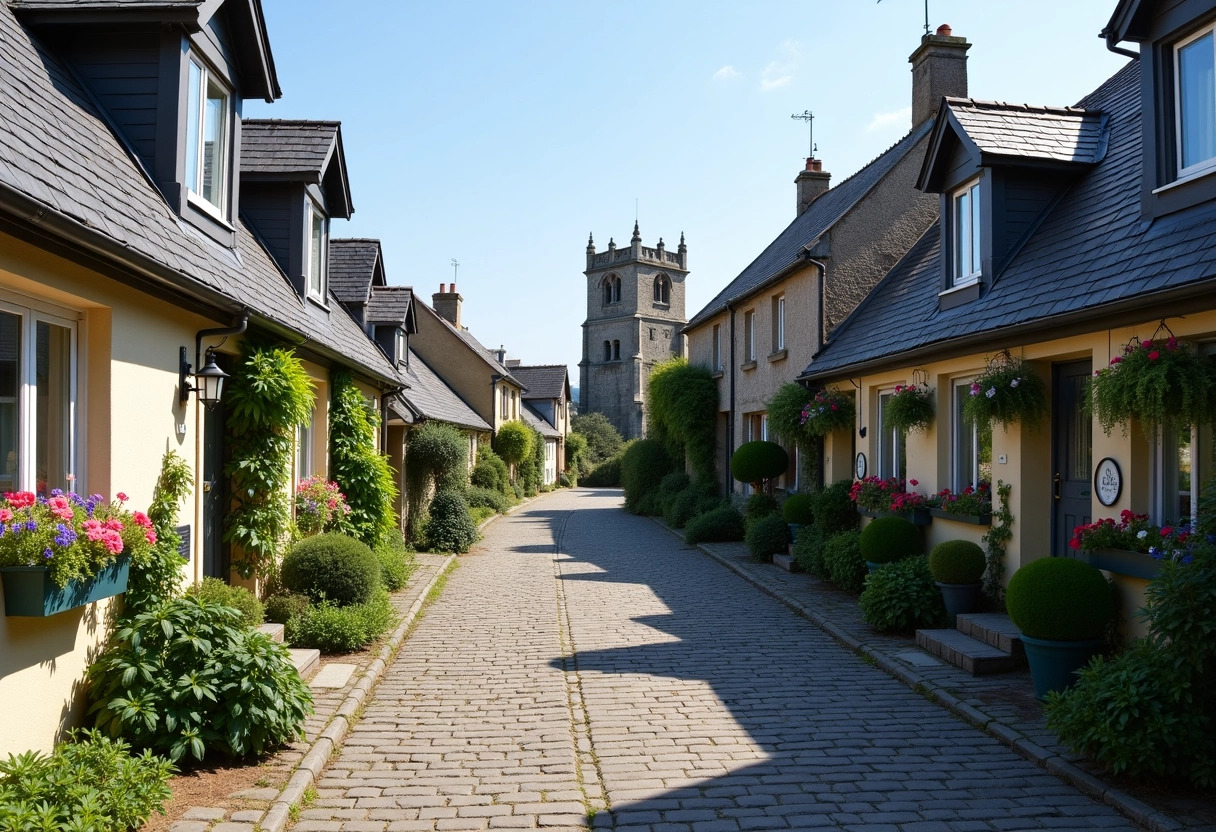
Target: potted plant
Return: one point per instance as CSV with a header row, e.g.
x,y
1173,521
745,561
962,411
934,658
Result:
x,y
1160,382
829,410
957,567
909,408
1130,545
888,539
797,512
876,497
1007,391
971,505
63,550
1062,607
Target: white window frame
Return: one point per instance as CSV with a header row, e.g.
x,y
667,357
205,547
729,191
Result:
x,y
965,263
1201,439
1209,163
779,323
961,432
318,285
305,466
890,442
749,334
194,189
399,344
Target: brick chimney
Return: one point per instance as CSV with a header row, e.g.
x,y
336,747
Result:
x,y
939,68
447,304
812,183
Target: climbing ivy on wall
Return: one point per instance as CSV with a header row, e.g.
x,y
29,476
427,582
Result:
x,y
682,413
360,471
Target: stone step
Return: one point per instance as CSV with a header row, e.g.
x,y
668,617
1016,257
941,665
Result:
x,y
306,660
786,562
994,629
972,655
275,631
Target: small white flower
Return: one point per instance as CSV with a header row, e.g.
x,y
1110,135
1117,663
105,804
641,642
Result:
x,y
991,392
1015,382
1142,534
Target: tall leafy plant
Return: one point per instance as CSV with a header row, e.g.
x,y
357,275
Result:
x,y
159,579
435,458
683,412
785,410
363,473
268,396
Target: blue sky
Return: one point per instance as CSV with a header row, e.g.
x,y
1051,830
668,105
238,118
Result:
x,y
502,133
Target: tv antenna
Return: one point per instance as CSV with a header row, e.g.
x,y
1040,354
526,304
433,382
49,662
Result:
x,y
809,118
455,268
926,16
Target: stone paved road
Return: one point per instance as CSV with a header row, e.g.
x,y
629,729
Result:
x,y
583,662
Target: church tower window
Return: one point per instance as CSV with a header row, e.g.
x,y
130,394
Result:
x,y
662,290
612,289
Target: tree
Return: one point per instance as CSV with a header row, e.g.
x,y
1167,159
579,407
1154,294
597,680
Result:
x,y
603,440
513,442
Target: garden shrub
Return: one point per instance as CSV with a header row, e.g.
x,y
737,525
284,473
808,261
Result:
x,y
284,606
333,629
901,597
758,462
189,678
717,526
491,472
397,562
605,475
530,473
682,412
670,487
759,506
215,591
834,511
603,440
160,577
843,563
331,566
576,455
808,551
362,473
487,498
888,539
697,498
797,508
90,784
643,465
440,450
1059,598
513,441
450,527
957,562
767,536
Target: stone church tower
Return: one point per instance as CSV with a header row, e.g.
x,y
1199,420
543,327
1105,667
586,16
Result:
x,y
635,310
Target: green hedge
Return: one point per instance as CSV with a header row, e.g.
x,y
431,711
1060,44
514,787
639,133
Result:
x,y
901,596
643,465
331,567
767,536
717,526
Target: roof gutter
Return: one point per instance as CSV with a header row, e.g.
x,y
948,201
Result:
x,y
1112,41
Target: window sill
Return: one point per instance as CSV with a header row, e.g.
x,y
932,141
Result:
x,y
958,295
1186,180
716,374
204,207
779,355
748,365
661,305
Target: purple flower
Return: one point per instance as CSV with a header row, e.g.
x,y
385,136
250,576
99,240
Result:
x,y
46,553
56,492
66,536
31,525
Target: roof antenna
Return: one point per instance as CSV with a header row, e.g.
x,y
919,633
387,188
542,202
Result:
x,y
809,118
926,16
455,269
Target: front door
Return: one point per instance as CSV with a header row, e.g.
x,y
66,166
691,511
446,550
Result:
x,y
1072,434
215,560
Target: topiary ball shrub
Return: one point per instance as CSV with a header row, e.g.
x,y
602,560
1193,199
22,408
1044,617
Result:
x,y
759,506
843,563
957,562
717,526
755,462
450,526
797,508
888,539
644,463
1059,599
766,537
283,607
901,597
833,509
238,597
331,567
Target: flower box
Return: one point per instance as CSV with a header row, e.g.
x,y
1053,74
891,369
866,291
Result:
x,y
1135,564
917,516
29,590
973,519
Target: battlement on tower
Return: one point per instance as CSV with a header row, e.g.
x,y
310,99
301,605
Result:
x,y
635,252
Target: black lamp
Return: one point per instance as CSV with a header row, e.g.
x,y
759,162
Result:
x,y
210,380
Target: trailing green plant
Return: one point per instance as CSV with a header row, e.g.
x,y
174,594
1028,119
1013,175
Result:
x,y
767,536
187,678
1059,599
397,561
784,411
603,440
799,509
1008,391
449,526
215,591
644,463
902,597
363,474
827,411
91,783
843,563
957,562
267,398
331,567
283,606
160,578
888,539
758,463
758,506
720,525
1160,382
513,442
995,540
333,629
682,412
910,408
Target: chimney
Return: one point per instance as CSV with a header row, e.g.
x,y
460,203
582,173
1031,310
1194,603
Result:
x,y
939,68
512,363
500,354
812,183
447,304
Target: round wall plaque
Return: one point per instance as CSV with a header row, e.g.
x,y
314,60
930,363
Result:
x,y
1108,482
861,466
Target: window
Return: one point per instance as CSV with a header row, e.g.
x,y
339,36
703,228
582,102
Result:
x,y
966,240
607,350
972,445
317,284
207,137
662,290
616,350
892,461
612,289
37,400
514,406
749,335
1195,70
652,333
304,444
717,365
1184,462
400,345
503,403
779,323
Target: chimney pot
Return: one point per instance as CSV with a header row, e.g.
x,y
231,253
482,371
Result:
x,y
816,165
944,30
453,289
811,183
447,304
810,162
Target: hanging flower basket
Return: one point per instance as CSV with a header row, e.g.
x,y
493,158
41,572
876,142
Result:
x,y
1159,382
910,408
829,410
1008,391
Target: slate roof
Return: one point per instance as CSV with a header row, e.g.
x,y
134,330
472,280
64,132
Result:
x,y
810,225
543,381
533,418
1062,134
57,150
105,4
389,305
280,146
433,399
1091,256
352,268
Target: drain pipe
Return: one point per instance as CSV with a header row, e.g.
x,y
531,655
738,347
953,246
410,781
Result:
x,y
730,419
1112,41
241,325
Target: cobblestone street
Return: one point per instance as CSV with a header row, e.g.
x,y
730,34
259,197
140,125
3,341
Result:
x,y
584,666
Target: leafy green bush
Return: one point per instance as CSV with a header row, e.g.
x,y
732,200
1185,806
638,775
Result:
x,y
808,551
798,508
767,536
513,442
491,472
576,455
531,470
670,487
333,629
758,462
440,451
494,499
901,597
957,562
282,607
480,514
644,463
1060,599
159,579
397,561
92,784
603,440
188,677
331,566
843,563
682,412
362,472
697,498
450,527
833,509
717,526
239,598
605,475
888,539
758,506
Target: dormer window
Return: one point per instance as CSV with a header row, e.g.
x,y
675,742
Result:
x,y
965,242
317,250
207,126
1196,102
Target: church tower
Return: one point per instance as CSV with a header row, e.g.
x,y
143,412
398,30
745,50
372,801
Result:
x,y
635,310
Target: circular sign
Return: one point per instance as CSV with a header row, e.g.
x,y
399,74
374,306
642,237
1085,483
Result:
x,y
861,466
1108,482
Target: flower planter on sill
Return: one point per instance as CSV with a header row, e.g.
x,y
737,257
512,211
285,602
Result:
x,y
973,519
29,590
917,516
1135,564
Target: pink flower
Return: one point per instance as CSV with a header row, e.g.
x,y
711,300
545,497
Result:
x,y
1118,359
5,515
122,498
913,482
1154,355
1146,344
150,536
21,499
1166,531
141,519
